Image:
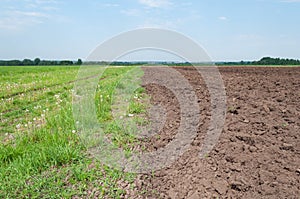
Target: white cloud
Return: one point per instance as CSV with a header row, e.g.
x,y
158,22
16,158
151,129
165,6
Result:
x,y
131,12
50,8
156,3
45,1
21,14
111,5
44,4
31,12
16,19
223,18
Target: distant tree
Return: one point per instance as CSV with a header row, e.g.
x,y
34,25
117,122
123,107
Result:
x,y
79,62
27,62
37,61
65,62
277,61
14,63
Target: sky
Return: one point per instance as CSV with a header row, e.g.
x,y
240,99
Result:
x,y
230,30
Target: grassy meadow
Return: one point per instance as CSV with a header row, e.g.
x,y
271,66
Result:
x,y
41,153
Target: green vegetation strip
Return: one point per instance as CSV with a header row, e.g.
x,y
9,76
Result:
x,y
42,156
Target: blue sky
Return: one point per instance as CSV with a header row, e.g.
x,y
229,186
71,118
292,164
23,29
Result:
x,y
228,30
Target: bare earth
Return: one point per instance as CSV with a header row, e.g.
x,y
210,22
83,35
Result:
x,y
258,153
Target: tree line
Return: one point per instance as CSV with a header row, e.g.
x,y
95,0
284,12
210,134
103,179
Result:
x,y
265,61
38,62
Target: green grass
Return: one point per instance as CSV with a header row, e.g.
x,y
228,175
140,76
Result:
x,y
25,79
29,92
41,154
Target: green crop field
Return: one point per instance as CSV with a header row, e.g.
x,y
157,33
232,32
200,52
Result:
x,y
41,153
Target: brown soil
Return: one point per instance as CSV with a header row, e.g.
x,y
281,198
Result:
x,y
258,153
